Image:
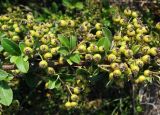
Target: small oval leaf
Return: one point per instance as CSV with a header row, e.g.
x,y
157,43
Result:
x,y
10,47
6,94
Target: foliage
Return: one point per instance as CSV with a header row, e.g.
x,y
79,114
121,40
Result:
x,y
88,57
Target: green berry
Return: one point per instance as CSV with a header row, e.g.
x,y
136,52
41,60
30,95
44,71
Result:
x,y
44,48
28,50
50,70
47,55
117,73
74,97
43,64
97,57
111,57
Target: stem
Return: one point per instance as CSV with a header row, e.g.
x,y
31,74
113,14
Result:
x,y
69,89
65,85
133,99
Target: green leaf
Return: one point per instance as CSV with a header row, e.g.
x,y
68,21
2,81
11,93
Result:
x,y
1,48
53,83
22,65
9,77
106,40
6,94
107,33
21,46
3,75
69,61
82,72
64,41
67,4
135,48
10,47
63,50
107,23
75,58
13,59
79,5
73,42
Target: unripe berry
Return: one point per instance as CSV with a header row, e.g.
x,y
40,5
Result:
x,y
97,57
158,25
123,67
99,34
114,66
146,59
139,37
82,48
30,16
134,14
145,49
86,24
74,104
76,90
74,97
94,48
88,57
122,49
137,25
90,37
84,28
111,75
28,50
116,18
4,27
29,42
144,29
140,63
44,48
98,26
15,38
134,69
17,29
54,51
43,64
126,38
117,73
68,105
32,32
45,39
117,37
111,57
139,30
141,78
15,25
47,56
130,26
62,23
127,12
115,51
50,70
147,38
128,53
147,73
131,32
153,51
54,42
101,49
128,72
71,23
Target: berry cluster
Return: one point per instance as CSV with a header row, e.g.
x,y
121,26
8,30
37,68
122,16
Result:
x,y
132,53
